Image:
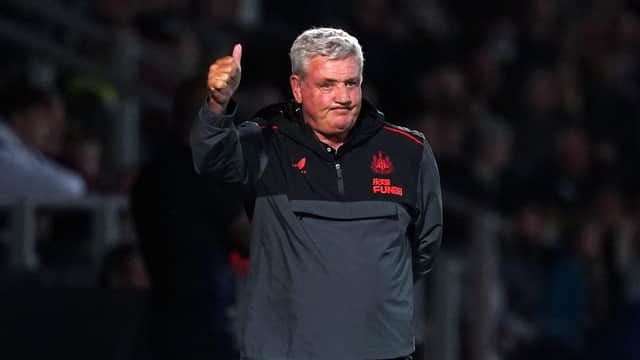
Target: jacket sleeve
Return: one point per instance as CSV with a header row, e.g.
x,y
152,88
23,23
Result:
x,y
428,226
29,174
223,151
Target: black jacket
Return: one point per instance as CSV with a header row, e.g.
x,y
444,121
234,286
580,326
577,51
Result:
x,y
338,236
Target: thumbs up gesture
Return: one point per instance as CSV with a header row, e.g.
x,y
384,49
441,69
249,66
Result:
x,y
223,79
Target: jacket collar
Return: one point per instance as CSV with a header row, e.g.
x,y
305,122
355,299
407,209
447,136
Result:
x,y
287,118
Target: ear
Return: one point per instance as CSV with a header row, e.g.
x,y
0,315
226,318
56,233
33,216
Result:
x,y
296,87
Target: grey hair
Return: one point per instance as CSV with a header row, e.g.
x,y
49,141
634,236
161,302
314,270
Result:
x,y
335,44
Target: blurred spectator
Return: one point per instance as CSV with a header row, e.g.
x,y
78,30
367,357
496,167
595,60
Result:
x,y
620,339
84,155
566,180
539,113
183,222
567,315
32,131
616,229
114,12
631,259
443,118
526,256
485,174
218,26
123,268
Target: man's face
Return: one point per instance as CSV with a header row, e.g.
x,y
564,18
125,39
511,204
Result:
x,y
43,126
331,95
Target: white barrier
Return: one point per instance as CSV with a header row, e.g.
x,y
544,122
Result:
x,y
21,234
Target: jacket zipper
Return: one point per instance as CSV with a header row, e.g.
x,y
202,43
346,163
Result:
x,y
340,180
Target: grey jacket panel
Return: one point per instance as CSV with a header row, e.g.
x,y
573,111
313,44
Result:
x,y
334,282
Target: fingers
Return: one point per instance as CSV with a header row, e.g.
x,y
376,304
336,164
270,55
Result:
x,y
217,69
223,72
222,80
223,77
217,84
227,60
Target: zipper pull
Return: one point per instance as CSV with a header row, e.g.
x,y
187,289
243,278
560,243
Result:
x,y
340,180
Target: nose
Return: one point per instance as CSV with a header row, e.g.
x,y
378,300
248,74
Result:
x,y
342,95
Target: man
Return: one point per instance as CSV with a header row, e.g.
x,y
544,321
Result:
x,y
33,126
347,212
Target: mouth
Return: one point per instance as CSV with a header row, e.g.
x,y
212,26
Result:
x,y
341,109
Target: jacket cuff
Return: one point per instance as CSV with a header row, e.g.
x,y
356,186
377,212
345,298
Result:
x,y
224,119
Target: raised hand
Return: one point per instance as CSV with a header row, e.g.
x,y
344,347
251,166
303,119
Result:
x,y
223,79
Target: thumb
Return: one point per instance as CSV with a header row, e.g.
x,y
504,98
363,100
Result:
x,y
237,53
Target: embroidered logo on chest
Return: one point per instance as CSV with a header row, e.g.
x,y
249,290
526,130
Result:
x,y
300,164
381,164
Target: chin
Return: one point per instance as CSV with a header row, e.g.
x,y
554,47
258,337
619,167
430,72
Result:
x,y
343,124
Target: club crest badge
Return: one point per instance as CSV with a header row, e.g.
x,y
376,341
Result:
x,y
381,164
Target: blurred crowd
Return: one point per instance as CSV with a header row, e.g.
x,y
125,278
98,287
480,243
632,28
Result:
x,y
532,109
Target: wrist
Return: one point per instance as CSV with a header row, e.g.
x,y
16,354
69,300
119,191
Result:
x,y
216,106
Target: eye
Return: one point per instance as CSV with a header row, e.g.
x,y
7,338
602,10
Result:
x,y
326,85
351,83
